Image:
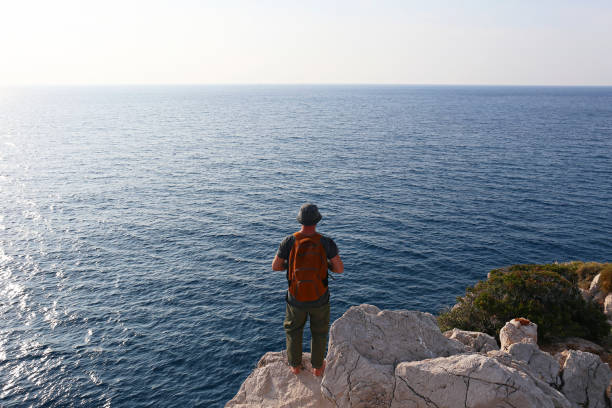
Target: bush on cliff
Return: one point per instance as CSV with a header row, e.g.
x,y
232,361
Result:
x,y
548,295
587,271
605,279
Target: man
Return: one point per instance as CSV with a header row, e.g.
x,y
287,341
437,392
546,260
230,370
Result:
x,y
307,255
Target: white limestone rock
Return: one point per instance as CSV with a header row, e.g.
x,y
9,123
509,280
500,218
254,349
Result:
x,y
595,292
608,306
518,330
475,341
400,359
585,379
366,344
470,380
272,384
544,366
594,287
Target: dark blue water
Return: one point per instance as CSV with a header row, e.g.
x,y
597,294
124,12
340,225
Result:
x,y
138,224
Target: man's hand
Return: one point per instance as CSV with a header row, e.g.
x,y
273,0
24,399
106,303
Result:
x,y
279,264
336,264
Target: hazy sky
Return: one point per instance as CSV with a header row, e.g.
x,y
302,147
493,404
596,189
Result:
x,y
264,41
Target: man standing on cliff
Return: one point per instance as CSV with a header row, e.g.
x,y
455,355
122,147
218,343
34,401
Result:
x,y
307,255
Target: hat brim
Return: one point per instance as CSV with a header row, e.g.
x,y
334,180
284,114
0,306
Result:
x,y
309,222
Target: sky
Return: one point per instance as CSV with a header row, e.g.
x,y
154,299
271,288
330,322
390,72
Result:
x,y
480,42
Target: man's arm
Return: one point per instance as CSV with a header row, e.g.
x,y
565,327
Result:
x,y
336,264
279,264
280,259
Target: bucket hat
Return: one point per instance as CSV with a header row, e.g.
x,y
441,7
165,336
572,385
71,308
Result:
x,y
309,214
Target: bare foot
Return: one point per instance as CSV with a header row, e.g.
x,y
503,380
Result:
x,y
319,371
295,370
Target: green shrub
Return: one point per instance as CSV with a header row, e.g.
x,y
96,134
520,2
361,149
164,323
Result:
x,y
547,295
605,279
587,271
566,270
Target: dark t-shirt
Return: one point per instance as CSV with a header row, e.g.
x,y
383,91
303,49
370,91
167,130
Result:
x,y
331,250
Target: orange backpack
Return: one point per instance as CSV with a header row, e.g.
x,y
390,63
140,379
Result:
x,y
307,268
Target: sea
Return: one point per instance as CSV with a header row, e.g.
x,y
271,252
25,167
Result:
x,y
138,223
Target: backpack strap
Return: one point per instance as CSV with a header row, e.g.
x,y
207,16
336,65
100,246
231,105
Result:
x,y
289,257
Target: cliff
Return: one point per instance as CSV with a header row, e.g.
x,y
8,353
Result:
x,y
401,359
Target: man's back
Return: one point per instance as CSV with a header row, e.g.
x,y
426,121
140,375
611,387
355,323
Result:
x,y
310,274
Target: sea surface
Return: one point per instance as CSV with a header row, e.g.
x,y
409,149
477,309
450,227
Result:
x,y
138,224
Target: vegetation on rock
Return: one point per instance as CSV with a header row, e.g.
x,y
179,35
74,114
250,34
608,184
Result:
x,y
605,279
587,271
548,295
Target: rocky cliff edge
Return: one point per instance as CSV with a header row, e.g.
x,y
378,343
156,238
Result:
x,y
382,358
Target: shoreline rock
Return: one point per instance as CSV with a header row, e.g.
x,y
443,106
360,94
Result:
x,y
382,358
585,379
474,341
472,380
518,330
365,346
272,385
